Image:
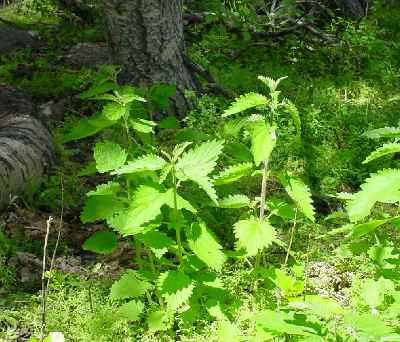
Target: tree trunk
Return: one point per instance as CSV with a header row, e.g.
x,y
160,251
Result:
x,y
146,38
25,145
354,9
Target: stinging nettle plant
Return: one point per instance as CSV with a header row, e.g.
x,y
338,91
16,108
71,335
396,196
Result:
x,y
255,234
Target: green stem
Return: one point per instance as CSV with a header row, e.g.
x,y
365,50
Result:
x,y
262,204
176,216
291,237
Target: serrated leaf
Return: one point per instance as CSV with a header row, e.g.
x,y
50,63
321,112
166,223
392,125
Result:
x,y
283,322
197,163
205,246
385,132
234,201
131,311
300,194
245,102
233,127
362,229
381,253
148,162
158,321
101,242
368,324
114,111
97,90
146,206
383,151
109,156
228,332
254,235
176,288
159,242
100,208
142,126
233,173
181,202
263,141
270,82
129,286
383,186
110,188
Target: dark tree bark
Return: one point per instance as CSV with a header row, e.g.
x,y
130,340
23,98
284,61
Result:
x,y
26,150
146,38
354,9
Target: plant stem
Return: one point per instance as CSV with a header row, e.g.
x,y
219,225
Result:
x,y
262,204
291,237
44,289
176,216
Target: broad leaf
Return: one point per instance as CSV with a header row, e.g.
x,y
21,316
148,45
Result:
x,y
205,246
142,126
176,288
158,321
148,162
385,132
197,163
101,242
381,254
373,291
114,111
245,102
383,151
362,229
233,173
146,206
270,82
180,201
368,324
254,235
110,188
263,141
131,311
100,208
383,186
234,201
129,286
157,241
300,194
109,156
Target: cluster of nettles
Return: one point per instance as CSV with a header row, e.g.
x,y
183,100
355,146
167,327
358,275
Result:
x,y
151,199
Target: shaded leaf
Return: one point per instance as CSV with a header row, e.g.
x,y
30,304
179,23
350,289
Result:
x,y
101,242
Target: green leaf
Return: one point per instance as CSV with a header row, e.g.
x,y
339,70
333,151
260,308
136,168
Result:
x,y
157,241
129,286
373,292
283,323
142,126
176,288
362,229
234,201
245,102
170,122
383,151
127,95
233,127
228,332
385,132
383,186
254,235
109,156
110,188
101,242
233,173
148,162
197,163
366,323
380,253
270,82
263,141
100,208
205,246
146,206
131,311
158,321
114,111
326,308
300,194
181,202
288,285
97,90
87,127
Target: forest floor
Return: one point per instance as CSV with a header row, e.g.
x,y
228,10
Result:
x,y
341,89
